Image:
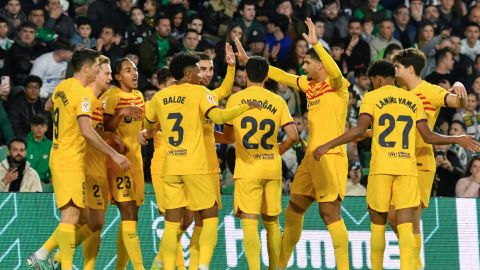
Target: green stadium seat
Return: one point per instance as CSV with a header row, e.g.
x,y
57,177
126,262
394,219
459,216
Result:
x,y
47,187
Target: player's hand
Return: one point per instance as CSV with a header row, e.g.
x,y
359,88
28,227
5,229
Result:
x,y
142,137
320,151
254,105
459,89
311,38
121,161
229,55
11,176
468,142
131,111
241,54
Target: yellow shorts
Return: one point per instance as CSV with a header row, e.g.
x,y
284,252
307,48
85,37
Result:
x,y
258,196
69,186
197,192
325,180
97,192
401,191
126,186
425,183
157,183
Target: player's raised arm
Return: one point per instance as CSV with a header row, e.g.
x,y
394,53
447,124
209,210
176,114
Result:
x,y
225,88
219,116
458,96
430,137
333,71
364,121
274,73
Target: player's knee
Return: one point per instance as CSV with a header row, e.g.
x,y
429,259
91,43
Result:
x,y
269,218
329,215
186,222
295,207
129,212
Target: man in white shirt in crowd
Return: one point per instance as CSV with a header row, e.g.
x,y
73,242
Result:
x,y
51,67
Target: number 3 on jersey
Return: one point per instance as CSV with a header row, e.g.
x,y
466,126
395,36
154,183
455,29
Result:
x,y
248,120
178,117
382,121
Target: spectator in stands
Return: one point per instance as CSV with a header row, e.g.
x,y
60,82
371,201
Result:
x,y
6,131
234,31
295,56
384,38
337,50
196,23
443,66
277,34
295,26
449,170
23,106
474,15
37,16
430,50
190,40
357,51
119,17
367,30
51,67
303,9
361,85
38,147
12,11
470,115
155,48
416,10
58,21
336,23
299,147
405,30
390,51
247,19
290,96
240,77
463,65
469,186
471,44
451,15
5,66
354,187
178,21
459,128
373,10
24,51
320,31
106,44
151,8
431,15
5,42
99,12
138,29
83,34
15,172
476,85
256,43
426,33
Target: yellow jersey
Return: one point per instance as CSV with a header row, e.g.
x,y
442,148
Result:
x,y
433,98
95,159
128,129
158,158
327,112
70,101
181,110
256,132
394,114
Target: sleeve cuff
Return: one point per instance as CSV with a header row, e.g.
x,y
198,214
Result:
x,y
84,115
208,111
422,120
445,99
228,125
286,124
367,114
151,122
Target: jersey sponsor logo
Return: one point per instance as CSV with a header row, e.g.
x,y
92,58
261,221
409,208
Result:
x,y
264,156
400,154
177,152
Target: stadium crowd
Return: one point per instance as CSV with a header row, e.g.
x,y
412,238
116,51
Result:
x,y
38,38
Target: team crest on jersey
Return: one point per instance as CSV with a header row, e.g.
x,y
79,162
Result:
x,y
85,105
104,104
127,120
210,98
99,126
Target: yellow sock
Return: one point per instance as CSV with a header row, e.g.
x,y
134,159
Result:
x,y
90,250
180,259
291,234
81,233
274,243
208,240
194,248
51,242
339,235
417,248
122,255
169,245
377,245
66,243
132,243
159,257
251,243
405,239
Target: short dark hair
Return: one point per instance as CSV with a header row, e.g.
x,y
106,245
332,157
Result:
x,y
39,119
354,20
381,68
244,3
33,79
190,30
386,20
279,2
410,57
62,44
36,7
17,139
27,24
117,67
82,20
359,72
329,3
470,163
281,21
180,62
257,69
204,56
3,20
313,54
441,54
163,75
161,17
472,24
194,17
462,124
110,26
82,57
